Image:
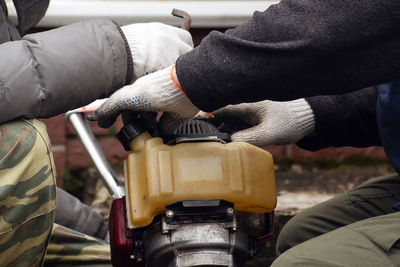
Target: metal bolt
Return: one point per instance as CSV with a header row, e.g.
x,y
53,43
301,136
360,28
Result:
x,y
187,20
229,211
169,213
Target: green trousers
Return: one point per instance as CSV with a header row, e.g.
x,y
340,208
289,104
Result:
x,y
356,228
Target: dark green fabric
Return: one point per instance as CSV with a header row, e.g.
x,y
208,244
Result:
x,y
372,242
357,228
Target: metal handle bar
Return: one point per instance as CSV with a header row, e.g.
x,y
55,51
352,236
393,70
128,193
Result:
x,y
92,147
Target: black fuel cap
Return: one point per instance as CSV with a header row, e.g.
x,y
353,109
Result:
x,y
128,133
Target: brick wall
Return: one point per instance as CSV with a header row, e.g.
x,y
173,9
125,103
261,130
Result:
x,y
68,151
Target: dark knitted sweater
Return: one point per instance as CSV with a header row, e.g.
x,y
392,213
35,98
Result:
x,y
296,49
344,120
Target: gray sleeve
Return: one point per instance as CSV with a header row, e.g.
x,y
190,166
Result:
x,y
74,214
49,73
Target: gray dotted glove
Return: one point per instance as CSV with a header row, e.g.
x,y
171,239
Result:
x,y
155,92
267,122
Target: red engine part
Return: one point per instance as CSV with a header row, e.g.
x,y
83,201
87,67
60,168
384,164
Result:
x,y
121,237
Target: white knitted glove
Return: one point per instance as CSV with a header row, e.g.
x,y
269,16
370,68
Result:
x,y
154,92
155,46
267,122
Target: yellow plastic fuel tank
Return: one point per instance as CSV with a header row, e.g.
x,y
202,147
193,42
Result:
x,y
158,175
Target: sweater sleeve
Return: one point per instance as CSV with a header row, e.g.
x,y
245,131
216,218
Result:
x,y
295,49
344,120
51,72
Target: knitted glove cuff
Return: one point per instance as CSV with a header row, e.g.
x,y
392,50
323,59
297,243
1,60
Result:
x,y
166,94
303,115
130,34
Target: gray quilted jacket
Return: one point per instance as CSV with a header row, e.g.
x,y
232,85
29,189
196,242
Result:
x,y
51,72
48,73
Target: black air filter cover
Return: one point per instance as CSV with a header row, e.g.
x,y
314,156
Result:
x,y
196,127
195,130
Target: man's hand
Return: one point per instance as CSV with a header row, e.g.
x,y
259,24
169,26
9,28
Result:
x,y
155,46
267,122
154,92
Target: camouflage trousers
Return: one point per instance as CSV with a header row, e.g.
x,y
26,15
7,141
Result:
x,y
28,203
70,248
